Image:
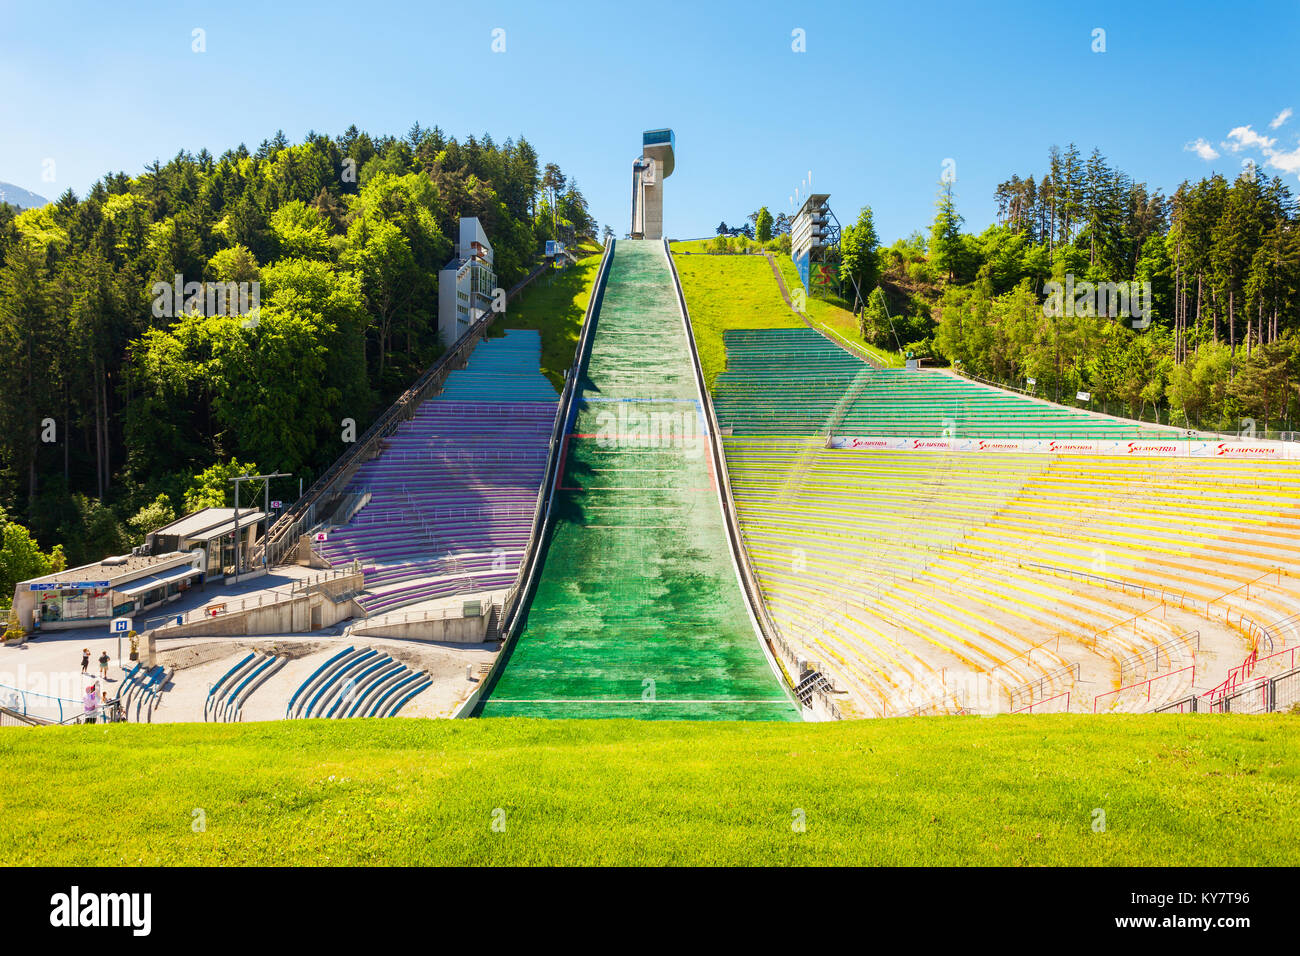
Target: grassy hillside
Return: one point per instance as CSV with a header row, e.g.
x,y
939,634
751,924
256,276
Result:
x,y
1004,790
834,316
740,292
729,292
555,305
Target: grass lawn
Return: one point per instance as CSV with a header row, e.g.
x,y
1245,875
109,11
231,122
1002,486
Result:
x,y
693,246
555,304
729,292
947,791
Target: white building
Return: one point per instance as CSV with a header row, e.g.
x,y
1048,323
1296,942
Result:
x,y
190,551
97,593
465,283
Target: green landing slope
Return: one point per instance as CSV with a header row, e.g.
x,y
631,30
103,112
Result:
x,y
637,611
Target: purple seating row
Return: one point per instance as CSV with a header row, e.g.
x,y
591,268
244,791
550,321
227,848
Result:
x,y
452,499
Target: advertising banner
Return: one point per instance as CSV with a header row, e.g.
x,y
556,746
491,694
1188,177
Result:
x,y
1243,450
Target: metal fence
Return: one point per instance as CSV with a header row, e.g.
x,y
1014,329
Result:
x,y
46,708
1286,691
1149,660
1031,693
484,602
15,718
332,583
1263,696
1058,704
1254,698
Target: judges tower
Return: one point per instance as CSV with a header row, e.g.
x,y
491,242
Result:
x,y
648,175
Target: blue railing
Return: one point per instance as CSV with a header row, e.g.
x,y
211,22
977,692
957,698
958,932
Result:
x,y
17,699
314,674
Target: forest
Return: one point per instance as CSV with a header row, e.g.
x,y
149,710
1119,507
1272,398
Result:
x,y
117,414
1222,351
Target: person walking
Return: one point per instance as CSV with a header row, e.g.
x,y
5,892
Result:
x,y
103,706
89,704
103,665
85,659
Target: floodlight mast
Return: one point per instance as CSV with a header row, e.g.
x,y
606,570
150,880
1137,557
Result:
x,y
266,488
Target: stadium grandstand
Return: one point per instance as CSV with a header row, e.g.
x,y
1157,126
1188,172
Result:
x,y
796,381
928,577
446,507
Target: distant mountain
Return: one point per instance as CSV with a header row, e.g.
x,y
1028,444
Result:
x,y
17,196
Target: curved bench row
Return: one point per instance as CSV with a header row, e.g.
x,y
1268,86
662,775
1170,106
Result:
x,y
140,688
357,682
218,690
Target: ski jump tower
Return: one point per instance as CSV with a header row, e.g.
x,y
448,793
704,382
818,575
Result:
x,y
648,175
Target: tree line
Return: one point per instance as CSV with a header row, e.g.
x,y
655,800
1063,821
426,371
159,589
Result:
x,y
1222,260
112,408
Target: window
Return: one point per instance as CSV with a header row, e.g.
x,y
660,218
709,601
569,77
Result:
x,y
74,604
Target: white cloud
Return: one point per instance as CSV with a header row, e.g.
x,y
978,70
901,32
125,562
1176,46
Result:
x,y
1287,162
1243,137
1265,147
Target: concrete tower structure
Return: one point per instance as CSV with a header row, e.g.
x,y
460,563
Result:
x,y
648,175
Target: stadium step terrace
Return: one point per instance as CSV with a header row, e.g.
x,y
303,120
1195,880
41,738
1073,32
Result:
x,y
795,381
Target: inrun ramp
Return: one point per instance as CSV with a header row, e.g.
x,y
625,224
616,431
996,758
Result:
x,y
638,611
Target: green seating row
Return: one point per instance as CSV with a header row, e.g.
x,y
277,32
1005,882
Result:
x,y
795,381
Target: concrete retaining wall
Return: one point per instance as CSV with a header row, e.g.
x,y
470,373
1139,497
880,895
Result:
x,y
451,630
300,613
307,557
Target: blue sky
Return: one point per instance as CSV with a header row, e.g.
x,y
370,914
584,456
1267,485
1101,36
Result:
x,y
882,96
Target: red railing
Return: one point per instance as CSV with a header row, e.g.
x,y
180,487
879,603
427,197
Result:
x,y
1235,677
1029,708
1243,671
1261,687
1147,683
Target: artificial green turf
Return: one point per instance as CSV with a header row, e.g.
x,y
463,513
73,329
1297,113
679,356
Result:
x,y
637,609
1175,790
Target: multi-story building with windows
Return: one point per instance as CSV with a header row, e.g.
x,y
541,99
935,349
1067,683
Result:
x,y
465,283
